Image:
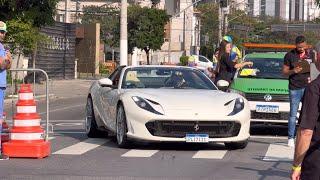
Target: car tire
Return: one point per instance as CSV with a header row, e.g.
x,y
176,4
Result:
x,y
91,127
121,128
236,145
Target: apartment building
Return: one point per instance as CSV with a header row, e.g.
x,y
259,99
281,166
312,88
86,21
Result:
x,y
290,10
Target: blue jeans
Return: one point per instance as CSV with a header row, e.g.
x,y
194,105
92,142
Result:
x,y
295,99
2,95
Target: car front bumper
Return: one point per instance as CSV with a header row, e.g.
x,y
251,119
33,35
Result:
x,y
137,129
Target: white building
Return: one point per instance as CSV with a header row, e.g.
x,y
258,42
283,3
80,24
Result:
x,y
291,10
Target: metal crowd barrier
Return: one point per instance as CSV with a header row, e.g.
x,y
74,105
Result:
x,y
47,93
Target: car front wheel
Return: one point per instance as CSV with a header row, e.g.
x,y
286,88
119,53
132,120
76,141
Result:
x,y
90,121
121,128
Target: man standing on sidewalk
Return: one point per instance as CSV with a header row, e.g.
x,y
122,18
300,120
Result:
x,y
307,152
299,77
5,63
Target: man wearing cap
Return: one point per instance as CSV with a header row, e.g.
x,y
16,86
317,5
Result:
x,y
235,52
5,63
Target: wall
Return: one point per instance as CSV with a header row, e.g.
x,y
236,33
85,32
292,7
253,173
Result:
x,y
57,56
88,49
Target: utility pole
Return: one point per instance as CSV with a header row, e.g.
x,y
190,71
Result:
x,y
66,14
123,34
220,23
225,30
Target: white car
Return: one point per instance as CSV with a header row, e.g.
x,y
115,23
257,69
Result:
x,y
202,62
166,103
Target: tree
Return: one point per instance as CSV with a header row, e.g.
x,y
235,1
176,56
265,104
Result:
x,y
318,3
23,39
108,17
209,27
146,28
24,18
38,12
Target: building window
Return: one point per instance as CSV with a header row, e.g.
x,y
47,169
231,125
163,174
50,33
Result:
x,y
176,6
60,17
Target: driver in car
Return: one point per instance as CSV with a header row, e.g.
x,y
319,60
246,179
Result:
x,y
176,80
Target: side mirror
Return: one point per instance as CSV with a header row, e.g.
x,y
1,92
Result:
x,y
105,82
223,85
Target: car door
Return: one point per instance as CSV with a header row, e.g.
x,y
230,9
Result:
x,y
109,98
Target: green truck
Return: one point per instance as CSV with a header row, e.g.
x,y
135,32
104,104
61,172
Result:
x,y
265,87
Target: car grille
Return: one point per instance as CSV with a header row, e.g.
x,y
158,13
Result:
x,y
179,129
270,116
260,97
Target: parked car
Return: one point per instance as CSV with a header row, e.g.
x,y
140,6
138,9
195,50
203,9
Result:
x,y
166,103
202,62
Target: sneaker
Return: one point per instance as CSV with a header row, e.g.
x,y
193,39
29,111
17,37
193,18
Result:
x,y
291,142
3,157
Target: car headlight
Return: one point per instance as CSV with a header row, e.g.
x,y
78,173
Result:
x,y
237,92
238,106
143,104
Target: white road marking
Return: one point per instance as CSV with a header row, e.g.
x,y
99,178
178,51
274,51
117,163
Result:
x,y
68,124
279,152
82,147
68,132
139,153
210,154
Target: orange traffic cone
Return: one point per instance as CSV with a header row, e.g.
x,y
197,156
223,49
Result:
x,y
5,130
26,135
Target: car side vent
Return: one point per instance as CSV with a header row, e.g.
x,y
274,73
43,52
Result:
x,y
153,102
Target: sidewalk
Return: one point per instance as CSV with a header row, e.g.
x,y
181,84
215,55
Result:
x,y
58,89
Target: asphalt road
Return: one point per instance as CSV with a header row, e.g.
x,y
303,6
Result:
x,y
74,156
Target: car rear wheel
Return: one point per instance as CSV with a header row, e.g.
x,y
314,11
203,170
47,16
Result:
x,y
90,121
236,145
121,128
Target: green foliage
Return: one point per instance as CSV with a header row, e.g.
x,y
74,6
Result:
x,y
22,36
37,12
209,21
108,17
103,69
146,28
184,60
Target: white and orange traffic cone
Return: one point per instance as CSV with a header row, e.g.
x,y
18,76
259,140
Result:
x,y
5,130
26,134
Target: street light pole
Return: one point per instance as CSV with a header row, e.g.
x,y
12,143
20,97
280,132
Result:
x,y
123,34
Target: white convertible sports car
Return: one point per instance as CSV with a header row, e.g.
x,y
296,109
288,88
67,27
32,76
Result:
x,y
166,103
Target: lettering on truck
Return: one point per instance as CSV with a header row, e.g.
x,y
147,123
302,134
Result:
x,y
268,89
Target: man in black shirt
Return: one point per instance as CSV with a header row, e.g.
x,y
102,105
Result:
x,y
299,77
306,164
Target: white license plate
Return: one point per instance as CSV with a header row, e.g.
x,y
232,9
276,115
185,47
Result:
x,y
197,138
267,108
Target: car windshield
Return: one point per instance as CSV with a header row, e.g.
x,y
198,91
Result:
x,y
166,77
264,68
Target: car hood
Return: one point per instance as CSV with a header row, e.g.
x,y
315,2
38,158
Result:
x,y
186,101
